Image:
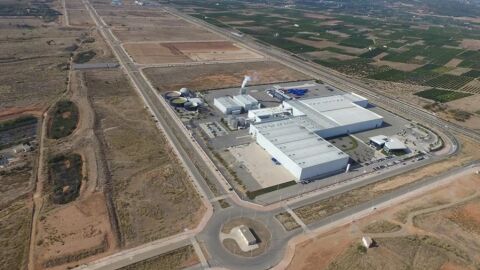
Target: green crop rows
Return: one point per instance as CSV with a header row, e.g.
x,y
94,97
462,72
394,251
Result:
x,y
441,95
449,81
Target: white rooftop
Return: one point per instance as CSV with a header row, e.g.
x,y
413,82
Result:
x,y
228,102
245,99
395,144
300,144
332,111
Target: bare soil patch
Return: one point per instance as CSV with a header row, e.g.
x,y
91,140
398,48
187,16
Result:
x,y
397,65
454,62
326,55
150,53
321,44
471,44
74,234
221,75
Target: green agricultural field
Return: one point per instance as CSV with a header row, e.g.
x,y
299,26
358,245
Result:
x,y
418,76
441,95
472,73
357,67
64,119
432,54
448,81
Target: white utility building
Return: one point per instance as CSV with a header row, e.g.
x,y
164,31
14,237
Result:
x,y
293,132
394,145
247,102
227,105
301,151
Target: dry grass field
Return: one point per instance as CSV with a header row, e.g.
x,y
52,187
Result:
x,y
80,17
15,223
152,194
438,230
221,75
184,52
68,235
160,27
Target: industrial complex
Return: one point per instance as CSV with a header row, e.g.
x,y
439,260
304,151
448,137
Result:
x,y
295,132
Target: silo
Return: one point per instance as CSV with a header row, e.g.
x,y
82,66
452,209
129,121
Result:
x,y
184,92
178,102
172,94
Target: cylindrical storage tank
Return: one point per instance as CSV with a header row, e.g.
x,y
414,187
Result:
x,y
184,92
178,102
172,94
190,106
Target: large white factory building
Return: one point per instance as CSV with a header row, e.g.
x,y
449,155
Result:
x,y
294,132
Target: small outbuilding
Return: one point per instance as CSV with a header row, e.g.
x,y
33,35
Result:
x,y
245,235
394,145
367,241
378,141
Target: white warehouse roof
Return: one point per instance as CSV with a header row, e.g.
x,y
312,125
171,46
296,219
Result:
x,y
228,102
333,111
245,100
301,145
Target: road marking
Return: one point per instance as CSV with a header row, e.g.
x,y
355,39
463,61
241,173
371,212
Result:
x,y
199,252
297,219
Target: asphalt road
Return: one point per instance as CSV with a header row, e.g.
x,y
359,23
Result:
x,y
209,235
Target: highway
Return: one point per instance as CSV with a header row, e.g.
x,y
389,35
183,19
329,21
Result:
x,y
200,167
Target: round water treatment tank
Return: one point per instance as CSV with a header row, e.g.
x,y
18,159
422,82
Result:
x,y
184,91
172,94
178,101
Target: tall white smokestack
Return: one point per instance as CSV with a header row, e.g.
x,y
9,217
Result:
x,y
245,81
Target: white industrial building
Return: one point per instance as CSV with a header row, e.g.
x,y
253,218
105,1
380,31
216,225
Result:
x,y
247,102
227,105
336,115
302,152
389,144
293,132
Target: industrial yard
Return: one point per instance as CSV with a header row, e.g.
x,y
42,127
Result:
x,y
252,132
